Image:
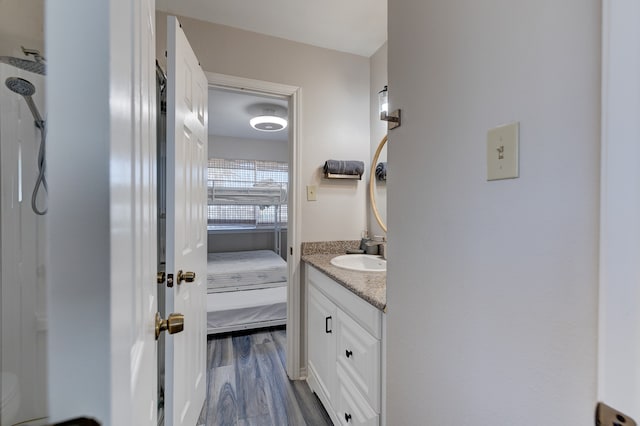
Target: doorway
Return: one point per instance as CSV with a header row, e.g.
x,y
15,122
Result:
x,y
294,306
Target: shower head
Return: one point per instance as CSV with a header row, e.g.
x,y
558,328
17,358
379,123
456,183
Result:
x,y
26,89
24,64
20,86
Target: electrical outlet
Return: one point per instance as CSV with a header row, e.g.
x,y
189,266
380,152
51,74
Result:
x,y
311,193
607,416
502,152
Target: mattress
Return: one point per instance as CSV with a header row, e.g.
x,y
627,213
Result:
x,y
246,309
245,270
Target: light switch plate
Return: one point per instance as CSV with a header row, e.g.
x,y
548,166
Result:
x,y
607,416
502,152
311,193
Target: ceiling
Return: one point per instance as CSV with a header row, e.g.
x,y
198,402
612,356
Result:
x,y
229,114
353,26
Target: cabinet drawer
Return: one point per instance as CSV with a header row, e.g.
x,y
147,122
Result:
x,y
351,407
359,355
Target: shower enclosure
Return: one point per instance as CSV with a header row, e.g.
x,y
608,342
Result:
x,y
23,201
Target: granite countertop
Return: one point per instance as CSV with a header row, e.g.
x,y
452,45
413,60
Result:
x,y
370,286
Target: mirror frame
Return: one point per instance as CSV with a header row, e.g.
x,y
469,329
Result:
x,y
372,177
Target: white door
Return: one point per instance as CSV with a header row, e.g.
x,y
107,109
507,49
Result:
x,y
144,208
619,301
322,317
186,227
102,212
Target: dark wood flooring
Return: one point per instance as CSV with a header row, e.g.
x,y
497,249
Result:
x,y
247,383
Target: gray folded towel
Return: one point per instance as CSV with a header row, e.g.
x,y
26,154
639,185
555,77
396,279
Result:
x,y
344,167
381,171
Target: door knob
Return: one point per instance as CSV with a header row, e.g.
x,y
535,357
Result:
x,y
173,324
186,276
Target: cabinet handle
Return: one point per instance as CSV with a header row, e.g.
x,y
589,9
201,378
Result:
x,y
347,417
348,353
326,325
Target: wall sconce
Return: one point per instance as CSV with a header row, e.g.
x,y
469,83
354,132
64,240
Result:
x,y
393,119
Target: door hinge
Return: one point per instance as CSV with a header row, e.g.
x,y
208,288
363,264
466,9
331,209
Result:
x,y
608,416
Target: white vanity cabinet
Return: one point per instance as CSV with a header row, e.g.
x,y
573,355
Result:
x,y
344,335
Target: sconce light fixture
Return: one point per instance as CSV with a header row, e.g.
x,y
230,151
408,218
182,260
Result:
x,y
269,120
393,119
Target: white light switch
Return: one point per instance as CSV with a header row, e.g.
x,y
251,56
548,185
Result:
x,y
311,193
502,152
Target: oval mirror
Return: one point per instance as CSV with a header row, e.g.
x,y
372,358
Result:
x,y
378,187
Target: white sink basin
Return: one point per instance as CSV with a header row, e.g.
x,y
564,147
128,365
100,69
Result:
x,y
360,262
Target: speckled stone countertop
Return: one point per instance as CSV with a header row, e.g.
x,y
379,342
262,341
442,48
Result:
x,y
370,286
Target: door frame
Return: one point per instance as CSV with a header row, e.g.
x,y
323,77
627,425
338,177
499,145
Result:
x,y
294,294
619,292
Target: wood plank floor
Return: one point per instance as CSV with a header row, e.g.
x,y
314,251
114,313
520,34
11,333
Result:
x,y
247,383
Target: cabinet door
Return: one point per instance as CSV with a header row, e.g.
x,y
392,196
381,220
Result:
x,y
322,316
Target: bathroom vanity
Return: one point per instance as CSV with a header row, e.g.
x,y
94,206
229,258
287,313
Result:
x,y
345,340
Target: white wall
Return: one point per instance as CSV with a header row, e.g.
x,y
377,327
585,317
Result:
x,y
492,286
79,315
378,128
247,149
335,112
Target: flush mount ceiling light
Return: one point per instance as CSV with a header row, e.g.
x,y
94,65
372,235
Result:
x,y
268,123
270,119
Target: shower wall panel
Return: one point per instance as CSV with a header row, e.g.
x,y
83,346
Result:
x,y
22,262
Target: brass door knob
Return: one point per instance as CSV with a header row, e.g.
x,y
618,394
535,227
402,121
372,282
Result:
x,y
186,276
173,324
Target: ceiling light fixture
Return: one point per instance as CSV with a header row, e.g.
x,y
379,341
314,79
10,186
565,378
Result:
x,y
268,123
270,119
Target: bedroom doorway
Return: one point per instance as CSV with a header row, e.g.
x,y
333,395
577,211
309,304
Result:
x,y
254,209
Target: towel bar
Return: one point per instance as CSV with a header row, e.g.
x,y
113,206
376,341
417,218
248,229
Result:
x,y
339,176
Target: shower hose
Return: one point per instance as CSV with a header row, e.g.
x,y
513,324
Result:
x,y
41,181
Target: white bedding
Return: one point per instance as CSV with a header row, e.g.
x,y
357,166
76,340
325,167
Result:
x,y
239,310
244,270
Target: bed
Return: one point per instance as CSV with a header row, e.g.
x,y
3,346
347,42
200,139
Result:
x,y
245,290
262,194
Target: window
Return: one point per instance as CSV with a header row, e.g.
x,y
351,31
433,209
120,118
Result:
x,y
247,193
